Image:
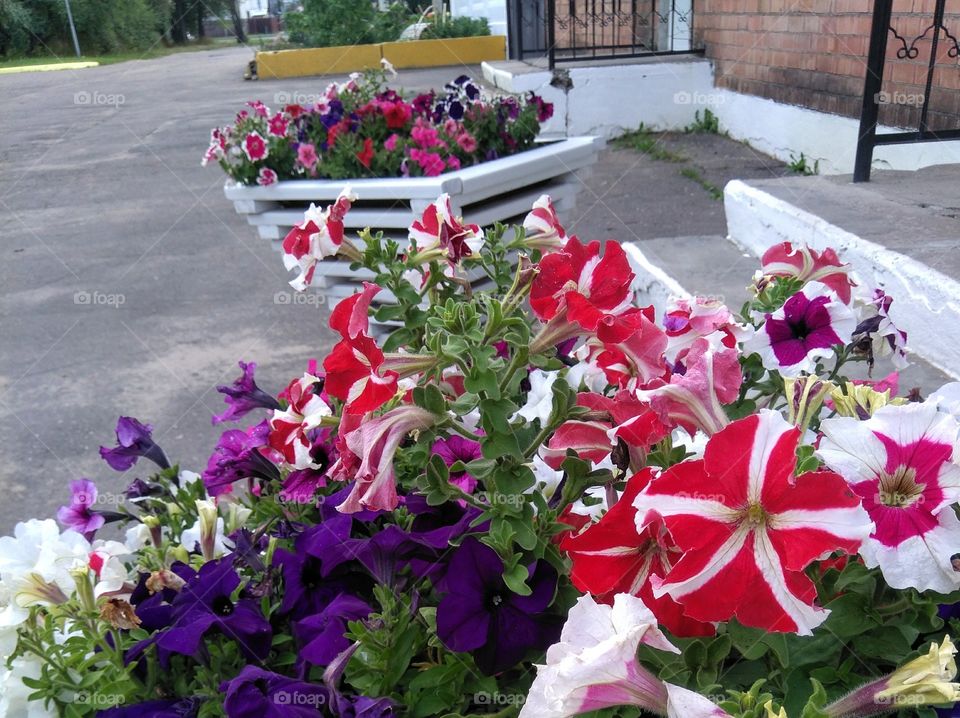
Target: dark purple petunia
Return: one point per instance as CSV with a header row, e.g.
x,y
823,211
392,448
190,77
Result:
x,y
182,708
133,441
321,636
454,449
256,693
308,571
206,604
806,325
236,457
140,489
79,515
243,396
480,615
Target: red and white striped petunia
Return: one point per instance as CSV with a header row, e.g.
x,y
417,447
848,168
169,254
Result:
x,y
901,463
355,375
809,265
320,235
289,427
255,147
748,528
542,228
439,228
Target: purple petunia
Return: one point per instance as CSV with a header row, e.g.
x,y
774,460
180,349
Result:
x,y
79,515
256,693
322,635
237,456
133,441
454,449
243,396
206,603
479,614
183,708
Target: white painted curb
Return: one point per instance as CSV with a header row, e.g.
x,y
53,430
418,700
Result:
x,y
926,302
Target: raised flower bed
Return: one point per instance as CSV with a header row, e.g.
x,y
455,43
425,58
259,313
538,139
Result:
x,y
398,157
541,501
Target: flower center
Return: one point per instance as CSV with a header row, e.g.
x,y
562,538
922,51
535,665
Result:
x,y
496,600
222,606
310,574
900,489
800,329
754,515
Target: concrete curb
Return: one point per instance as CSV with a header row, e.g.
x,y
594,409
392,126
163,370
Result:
x,y
926,301
50,67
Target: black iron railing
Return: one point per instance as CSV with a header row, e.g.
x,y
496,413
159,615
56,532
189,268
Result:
x,y
943,46
553,31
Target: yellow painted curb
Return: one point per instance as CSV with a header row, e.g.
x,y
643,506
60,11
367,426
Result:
x,y
452,51
48,67
355,58
317,61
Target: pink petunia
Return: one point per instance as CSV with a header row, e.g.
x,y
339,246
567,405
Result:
x,y
255,147
307,156
266,177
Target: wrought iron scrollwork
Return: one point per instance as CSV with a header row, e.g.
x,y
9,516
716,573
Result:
x,y
910,51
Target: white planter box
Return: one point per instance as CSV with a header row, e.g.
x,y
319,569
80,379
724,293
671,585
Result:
x,y
496,191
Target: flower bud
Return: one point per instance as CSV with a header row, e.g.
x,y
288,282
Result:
x,y
207,511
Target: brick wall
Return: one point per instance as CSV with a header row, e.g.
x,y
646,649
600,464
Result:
x,y
813,53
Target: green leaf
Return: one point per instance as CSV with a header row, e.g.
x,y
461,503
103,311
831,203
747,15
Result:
x,y
515,577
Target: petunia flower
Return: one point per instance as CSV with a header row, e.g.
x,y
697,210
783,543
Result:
x,y
576,289
594,666
322,635
747,527
927,680
610,557
277,125
160,708
255,147
289,427
806,328
133,441
539,404
257,693
687,320
356,374
454,449
243,396
542,228
809,265
694,399
319,235
900,462
237,456
206,603
366,155
438,228
374,443
631,361
266,177
79,515
480,615
876,335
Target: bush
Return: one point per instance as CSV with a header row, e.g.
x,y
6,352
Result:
x,y
16,24
447,26
328,23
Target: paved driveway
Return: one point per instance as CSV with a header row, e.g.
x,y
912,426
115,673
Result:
x,y
127,283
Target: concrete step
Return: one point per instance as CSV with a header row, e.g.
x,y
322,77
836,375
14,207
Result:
x,y
901,232
712,266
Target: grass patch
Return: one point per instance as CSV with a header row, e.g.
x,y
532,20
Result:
x,y
692,173
645,141
213,43
707,124
802,166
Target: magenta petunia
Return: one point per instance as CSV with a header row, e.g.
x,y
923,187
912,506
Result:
x,y
806,328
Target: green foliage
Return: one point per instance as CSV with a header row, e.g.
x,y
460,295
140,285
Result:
x,y
692,173
708,123
644,140
802,166
329,23
448,26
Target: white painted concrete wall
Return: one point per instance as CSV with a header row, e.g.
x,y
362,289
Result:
x,y
781,130
610,100
494,10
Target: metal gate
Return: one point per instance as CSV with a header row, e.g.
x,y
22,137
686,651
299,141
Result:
x,y
552,31
884,34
